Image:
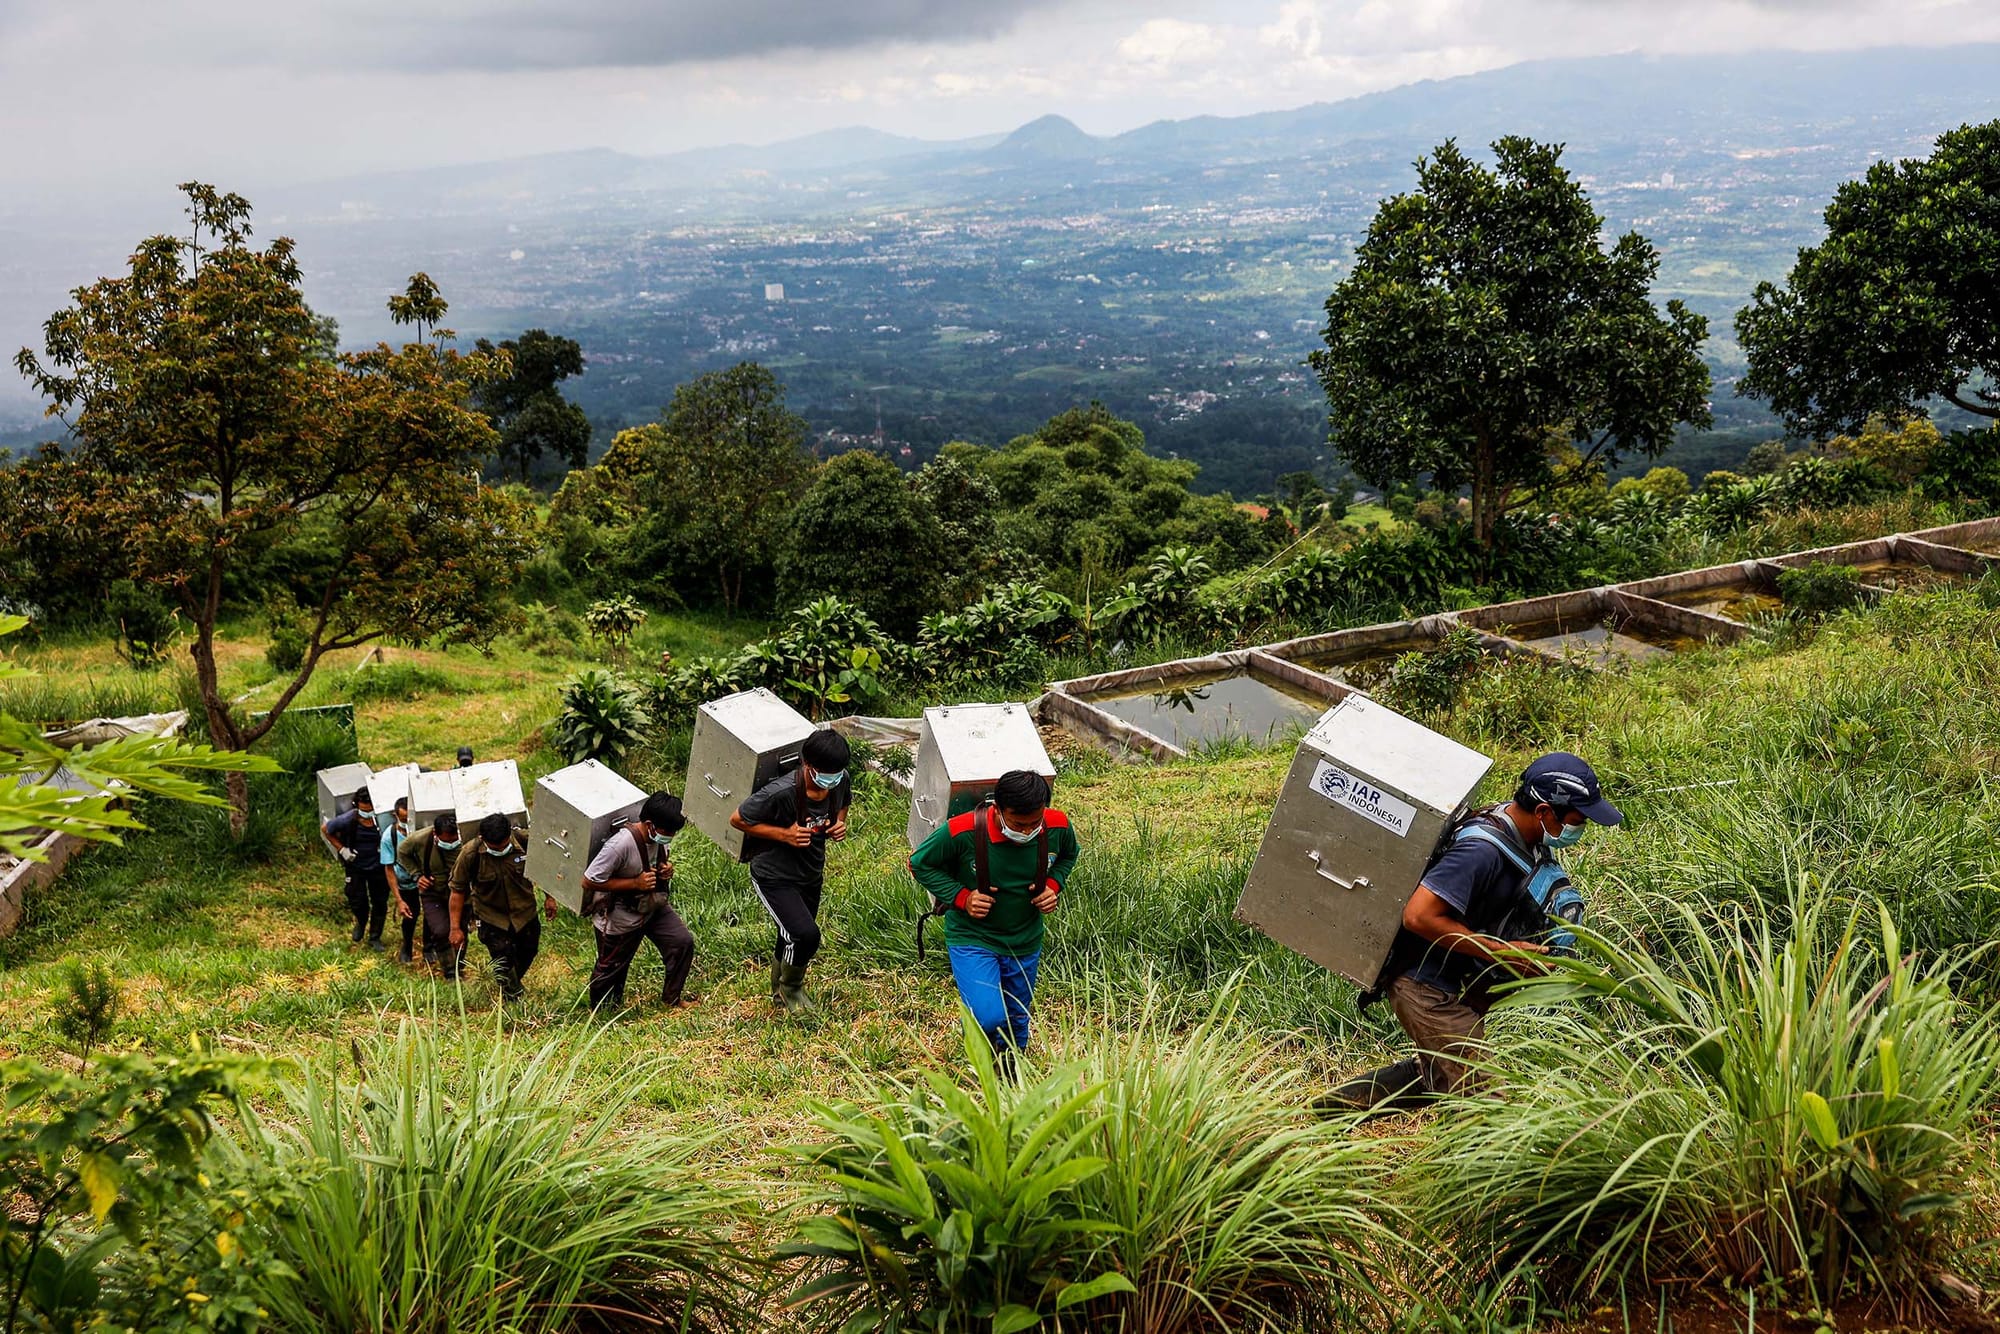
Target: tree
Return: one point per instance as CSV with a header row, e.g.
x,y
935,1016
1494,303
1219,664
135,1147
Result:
x,y
1899,304
1485,326
719,474
527,408
861,533
214,426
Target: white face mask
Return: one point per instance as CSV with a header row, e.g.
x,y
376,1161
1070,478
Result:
x,y
1014,835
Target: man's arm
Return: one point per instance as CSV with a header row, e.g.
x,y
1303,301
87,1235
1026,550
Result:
x,y
336,836
758,812
1431,917
407,865
935,867
602,877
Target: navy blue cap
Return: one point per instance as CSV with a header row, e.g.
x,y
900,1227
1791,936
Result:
x,y
1563,779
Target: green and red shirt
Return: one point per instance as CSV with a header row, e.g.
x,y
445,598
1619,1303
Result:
x,y
947,868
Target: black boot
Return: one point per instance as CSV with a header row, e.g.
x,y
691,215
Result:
x,y
360,928
1391,1088
777,980
407,953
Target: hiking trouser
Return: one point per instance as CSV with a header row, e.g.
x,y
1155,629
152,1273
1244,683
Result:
x,y
368,898
513,952
999,989
437,936
669,934
1448,1032
408,895
795,912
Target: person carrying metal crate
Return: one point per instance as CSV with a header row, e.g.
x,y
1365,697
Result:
x,y
1491,905
994,873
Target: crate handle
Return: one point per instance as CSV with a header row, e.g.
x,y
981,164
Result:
x,y
557,843
1358,882
708,781
923,800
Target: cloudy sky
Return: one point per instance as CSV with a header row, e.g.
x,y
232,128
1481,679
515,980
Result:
x,y
128,96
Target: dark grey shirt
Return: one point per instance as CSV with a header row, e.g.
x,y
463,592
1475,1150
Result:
x,y
780,865
365,839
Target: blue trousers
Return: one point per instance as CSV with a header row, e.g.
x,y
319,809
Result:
x,y
999,989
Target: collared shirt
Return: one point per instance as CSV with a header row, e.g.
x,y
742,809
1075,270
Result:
x,y
497,887
418,855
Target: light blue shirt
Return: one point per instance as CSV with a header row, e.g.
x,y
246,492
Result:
x,y
390,838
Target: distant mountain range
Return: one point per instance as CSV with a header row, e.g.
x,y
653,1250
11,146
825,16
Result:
x,y
1757,97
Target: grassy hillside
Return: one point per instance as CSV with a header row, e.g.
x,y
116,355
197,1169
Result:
x,y
1856,757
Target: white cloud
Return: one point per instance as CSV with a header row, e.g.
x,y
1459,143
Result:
x,y
1159,43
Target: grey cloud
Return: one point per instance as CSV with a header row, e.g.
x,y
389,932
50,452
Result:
x,y
509,34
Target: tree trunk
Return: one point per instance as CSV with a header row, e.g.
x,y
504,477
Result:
x,y
1483,470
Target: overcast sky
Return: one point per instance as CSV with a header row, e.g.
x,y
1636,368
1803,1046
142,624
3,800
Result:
x,y
133,95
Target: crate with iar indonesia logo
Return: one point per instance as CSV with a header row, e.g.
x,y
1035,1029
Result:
x,y
1368,796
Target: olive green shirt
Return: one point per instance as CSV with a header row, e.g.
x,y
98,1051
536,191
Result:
x,y
497,887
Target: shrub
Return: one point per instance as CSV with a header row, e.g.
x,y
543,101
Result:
x,y
1429,680
603,716
287,650
1820,589
88,1009
396,680
615,620
1791,1107
550,630
146,624
947,1207
469,1190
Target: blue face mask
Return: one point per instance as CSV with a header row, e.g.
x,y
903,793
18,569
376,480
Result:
x,y
663,840
498,852
830,781
447,847
1568,838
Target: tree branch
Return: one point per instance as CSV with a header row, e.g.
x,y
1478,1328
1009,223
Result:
x,y
1976,409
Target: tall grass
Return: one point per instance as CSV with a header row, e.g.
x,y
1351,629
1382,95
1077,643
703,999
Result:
x,y
1790,1105
1148,1180
477,1185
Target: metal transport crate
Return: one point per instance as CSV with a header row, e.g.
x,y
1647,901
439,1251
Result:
x,y
962,749
388,786
1368,798
576,809
336,792
430,797
741,742
480,790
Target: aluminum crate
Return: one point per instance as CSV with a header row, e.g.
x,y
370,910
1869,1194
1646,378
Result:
x,y
576,809
336,792
741,742
1368,798
962,750
480,790
430,797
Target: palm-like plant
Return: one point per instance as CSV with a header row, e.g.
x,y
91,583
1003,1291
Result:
x,y
603,717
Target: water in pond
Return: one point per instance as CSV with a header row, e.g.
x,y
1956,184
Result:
x,y
1909,576
1599,640
1742,603
1189,710
1364,668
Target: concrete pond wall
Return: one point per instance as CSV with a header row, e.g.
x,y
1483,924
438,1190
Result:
x,y
1642,618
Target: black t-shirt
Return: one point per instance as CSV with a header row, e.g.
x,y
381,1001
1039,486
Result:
x,y
1480,885
780,865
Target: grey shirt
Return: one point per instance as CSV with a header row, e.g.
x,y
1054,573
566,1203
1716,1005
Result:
x,y
621,858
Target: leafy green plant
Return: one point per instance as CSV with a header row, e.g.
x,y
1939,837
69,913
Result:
x,y
603,716
1820,589
550,630
109,1218
146,625
1790,1105
615,620
950,1210
1229,1205
479,1186
287,650
88,1008
1429,680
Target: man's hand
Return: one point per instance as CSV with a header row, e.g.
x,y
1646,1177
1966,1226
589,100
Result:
x,y
977,905
456,936
403,907
648,881
1046,900
551,907
346,854
424,883
1525,967
838,830
798,836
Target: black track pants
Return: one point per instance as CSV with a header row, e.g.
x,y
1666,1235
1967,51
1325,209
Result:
x,y
796,914
368,898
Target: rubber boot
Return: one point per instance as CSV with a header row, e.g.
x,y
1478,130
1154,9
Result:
x,y
360,929
777,978
1391,1088
375,944
792,988
407,954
